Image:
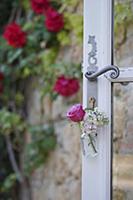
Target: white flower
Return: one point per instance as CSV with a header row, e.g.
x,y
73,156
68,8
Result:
x,y
92,120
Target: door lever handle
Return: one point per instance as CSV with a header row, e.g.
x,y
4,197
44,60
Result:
x,y
92,75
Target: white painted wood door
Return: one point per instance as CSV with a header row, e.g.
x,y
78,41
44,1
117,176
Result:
x,y
98,23
96,171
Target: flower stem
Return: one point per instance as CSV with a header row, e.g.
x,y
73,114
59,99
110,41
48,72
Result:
x,y
92,144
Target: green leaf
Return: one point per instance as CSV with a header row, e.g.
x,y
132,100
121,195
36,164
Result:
x,y
13,55
9,182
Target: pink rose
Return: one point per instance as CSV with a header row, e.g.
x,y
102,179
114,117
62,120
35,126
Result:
x,y
76,113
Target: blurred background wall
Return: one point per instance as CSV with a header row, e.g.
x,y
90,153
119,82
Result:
x,y
49,171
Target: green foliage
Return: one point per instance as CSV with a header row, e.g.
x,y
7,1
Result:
x,y
43,141
64,38
5,7
72,3
10,122
5,171
36,153
8,183
26,4
123,18
74,22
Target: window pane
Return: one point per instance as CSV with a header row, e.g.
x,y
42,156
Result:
x,y
123,29
123,141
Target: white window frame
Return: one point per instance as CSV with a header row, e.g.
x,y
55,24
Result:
x,y
96,171
98,22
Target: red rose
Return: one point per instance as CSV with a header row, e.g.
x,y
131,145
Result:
x,y
1,76
39,6
54,21
1,83
14,35
66,86
1,88
76,113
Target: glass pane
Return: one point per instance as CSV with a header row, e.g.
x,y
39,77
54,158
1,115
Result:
x,y
122,141
123,29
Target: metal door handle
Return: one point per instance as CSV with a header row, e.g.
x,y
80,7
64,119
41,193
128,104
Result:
x,y
92,75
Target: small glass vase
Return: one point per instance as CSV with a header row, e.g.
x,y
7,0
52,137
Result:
x,y
89,144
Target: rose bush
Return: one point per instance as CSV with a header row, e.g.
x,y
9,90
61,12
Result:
x,y
14,35
66,86
76,113
32,52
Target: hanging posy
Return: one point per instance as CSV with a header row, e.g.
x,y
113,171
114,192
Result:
x,y
90,121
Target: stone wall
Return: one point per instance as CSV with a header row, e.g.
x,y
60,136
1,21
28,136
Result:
x,y
123,126
60,177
